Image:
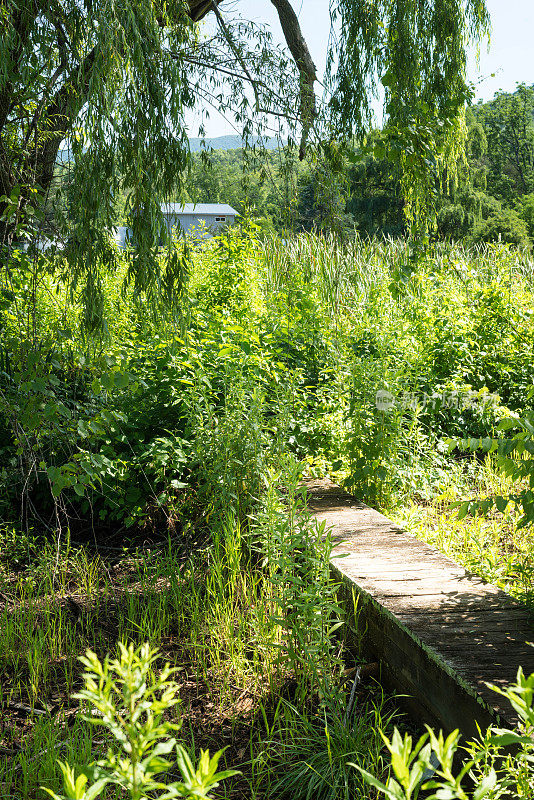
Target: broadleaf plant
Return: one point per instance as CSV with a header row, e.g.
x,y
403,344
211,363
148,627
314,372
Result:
x,y
129,699
514,459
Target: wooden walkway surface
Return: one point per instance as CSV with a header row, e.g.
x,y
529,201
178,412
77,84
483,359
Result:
x,y
439,632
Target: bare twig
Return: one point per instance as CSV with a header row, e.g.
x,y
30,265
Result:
x,y
352,695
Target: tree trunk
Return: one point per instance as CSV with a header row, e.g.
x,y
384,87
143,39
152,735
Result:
x,y
307,70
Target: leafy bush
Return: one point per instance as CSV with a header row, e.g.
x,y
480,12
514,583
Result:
x,y
499,764
454,222
469,353
228,274
514,460
505,226
489,206
296,554
281,347
525,210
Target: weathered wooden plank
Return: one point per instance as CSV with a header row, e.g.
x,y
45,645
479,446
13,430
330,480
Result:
x,y
515,618
388,586
490,628
440,632
454,604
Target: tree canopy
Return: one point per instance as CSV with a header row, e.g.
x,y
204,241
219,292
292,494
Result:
x,y
113,79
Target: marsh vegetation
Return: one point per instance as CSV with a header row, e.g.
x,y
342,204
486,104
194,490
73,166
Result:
x,y
150,486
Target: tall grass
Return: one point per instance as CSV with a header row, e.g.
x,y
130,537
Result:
x,y
252,612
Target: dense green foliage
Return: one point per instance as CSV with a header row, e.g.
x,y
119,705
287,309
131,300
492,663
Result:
x,y
113,82
247,615
285,346
417,50
131,702
160,406
110,83
498,763
492,200
288,359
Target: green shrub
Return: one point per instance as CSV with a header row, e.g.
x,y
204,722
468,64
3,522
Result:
x,y
514,459
499,763
489,205
504,226
525,210
282,346
296,554
454,221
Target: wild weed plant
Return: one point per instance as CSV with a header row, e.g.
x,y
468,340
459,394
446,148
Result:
x,y
498,764
295,552
306,756
305,744
251,613
127,699
304,333
199,424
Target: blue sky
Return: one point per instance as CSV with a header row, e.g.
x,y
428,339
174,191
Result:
x,y
509,60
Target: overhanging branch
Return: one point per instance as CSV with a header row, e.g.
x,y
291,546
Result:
x,y
306,67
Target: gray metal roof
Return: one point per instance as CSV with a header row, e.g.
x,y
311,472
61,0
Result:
x,y
211,209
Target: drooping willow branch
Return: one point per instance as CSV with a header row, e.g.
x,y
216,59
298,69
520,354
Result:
x,y
104,77
235,50
247,78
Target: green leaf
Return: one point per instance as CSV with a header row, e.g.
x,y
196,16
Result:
x,y
508,738
486,785
96,789
121,380
501,503
506,424
107,381
392,790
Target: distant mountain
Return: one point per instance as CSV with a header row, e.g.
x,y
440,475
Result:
x,y
232,143
216,143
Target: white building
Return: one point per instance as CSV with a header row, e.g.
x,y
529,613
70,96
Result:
x,y
122,234
198,215
205,218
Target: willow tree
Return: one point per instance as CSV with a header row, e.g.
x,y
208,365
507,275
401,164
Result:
x,y
417,51
112,80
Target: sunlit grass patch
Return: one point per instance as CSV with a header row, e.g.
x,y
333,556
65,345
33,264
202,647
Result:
x,y
244,619
492,545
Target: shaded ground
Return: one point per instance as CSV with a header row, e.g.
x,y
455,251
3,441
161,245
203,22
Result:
x,y
55,604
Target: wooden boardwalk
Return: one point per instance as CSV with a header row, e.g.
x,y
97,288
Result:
x,y
439,632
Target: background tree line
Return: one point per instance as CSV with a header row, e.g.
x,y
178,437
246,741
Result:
x,y
492,198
